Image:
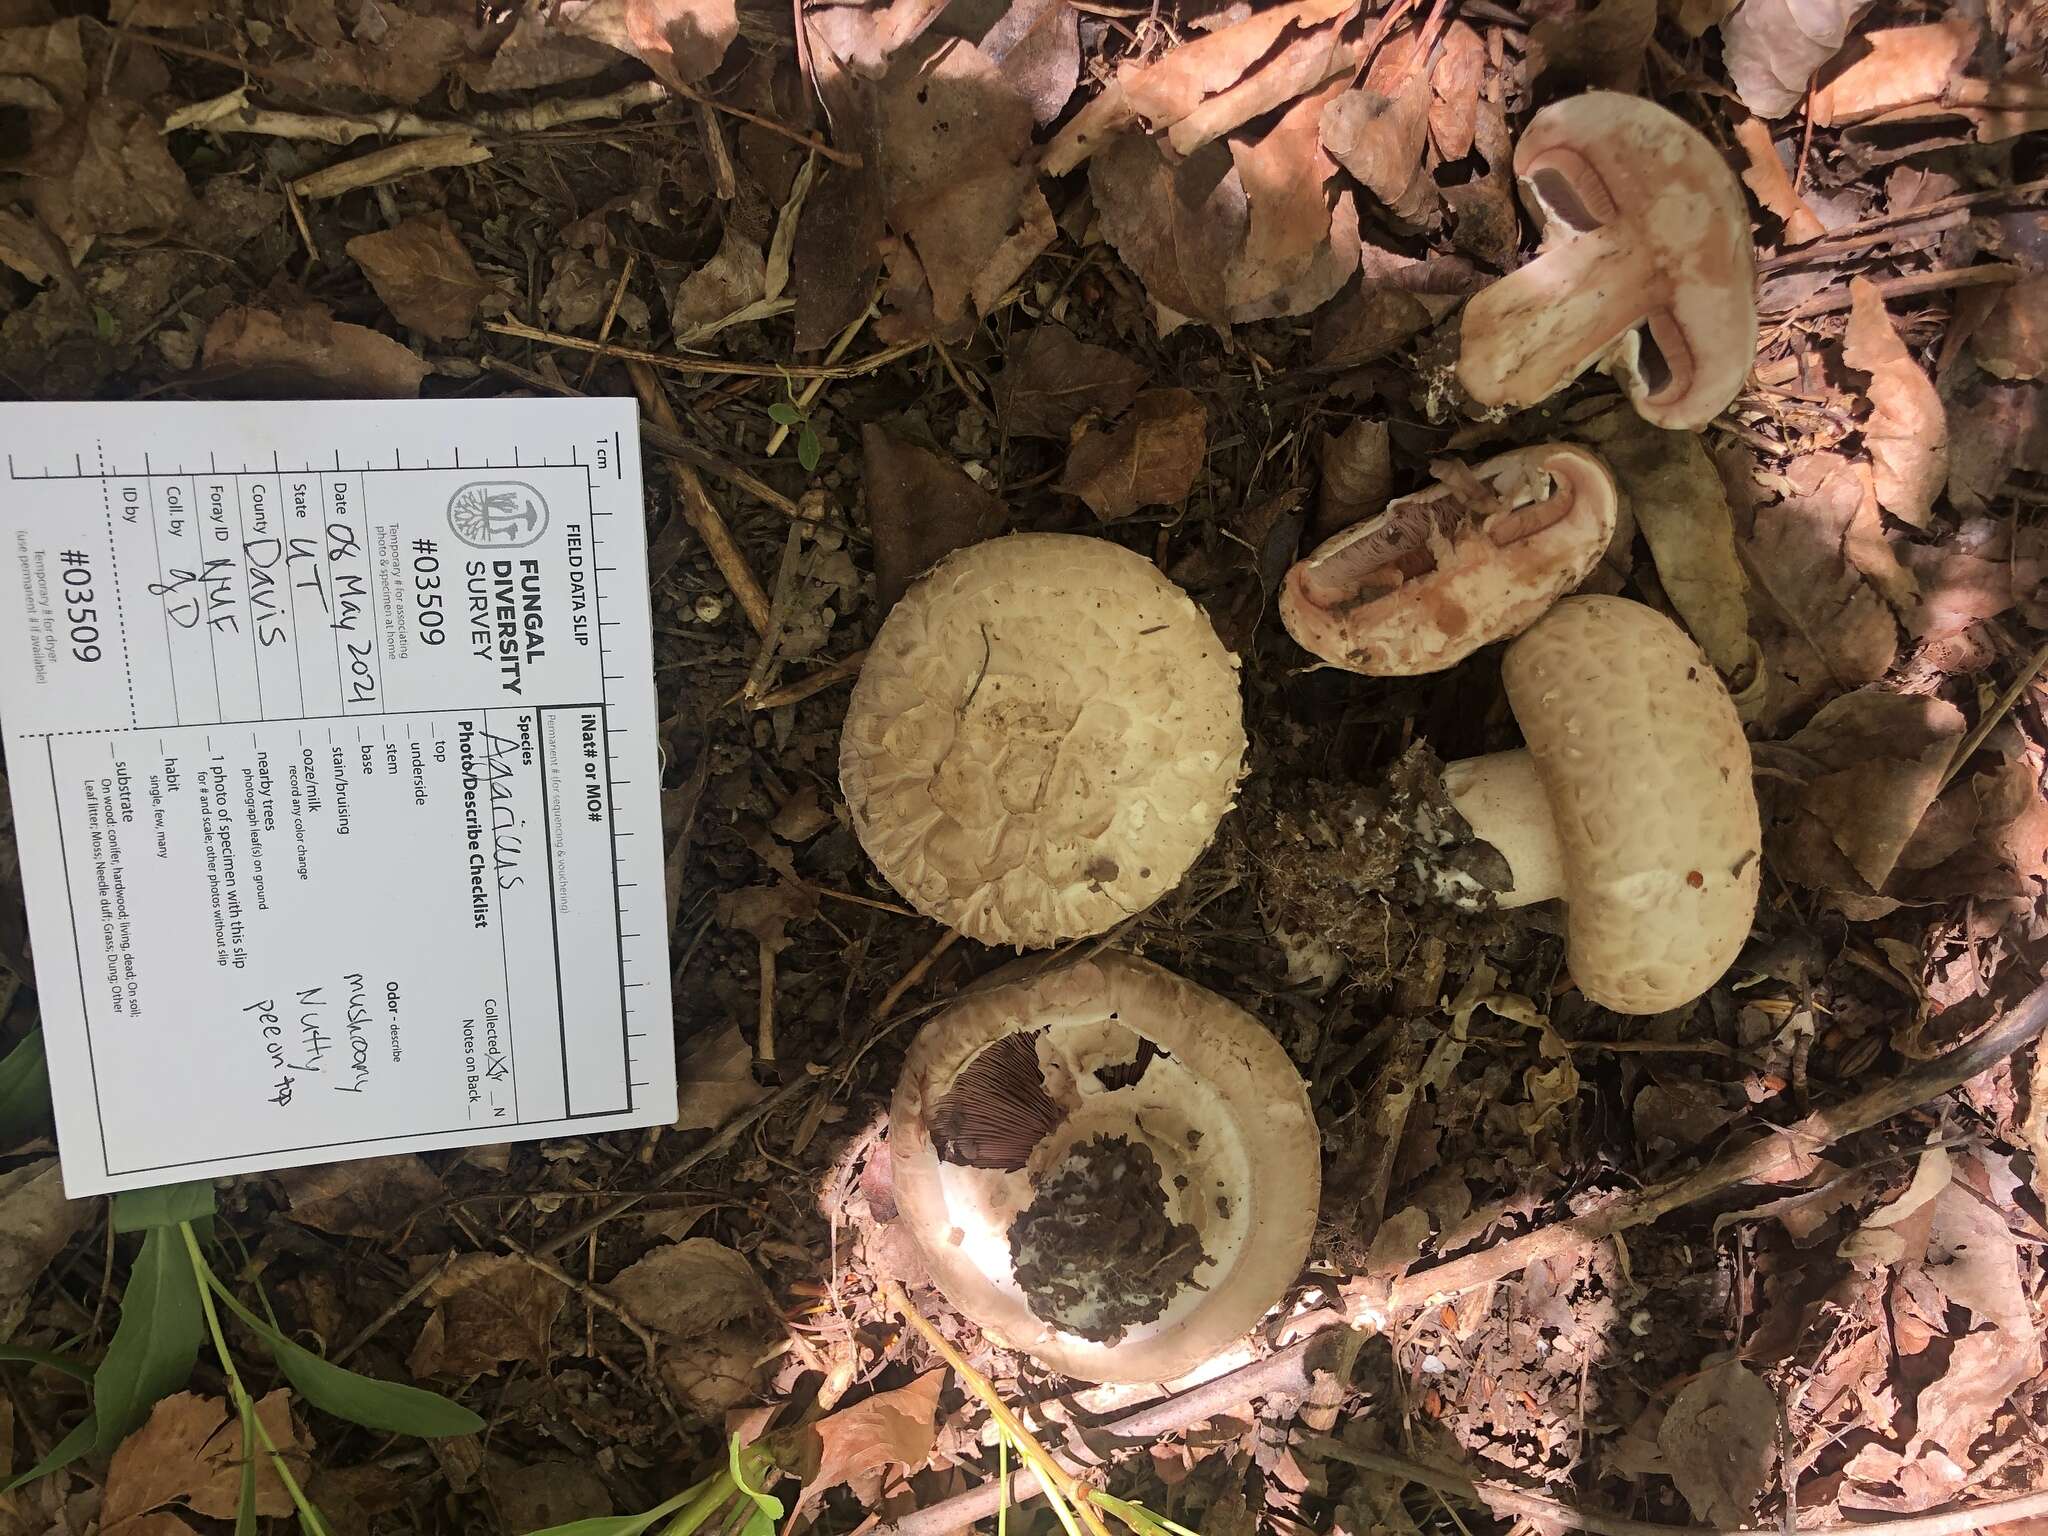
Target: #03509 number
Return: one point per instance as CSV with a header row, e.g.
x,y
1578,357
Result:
x,y
79,610
426,591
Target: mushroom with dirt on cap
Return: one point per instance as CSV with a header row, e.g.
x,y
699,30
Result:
x,y
1106,1166
1474,559
1043,738
1647,270
1633,800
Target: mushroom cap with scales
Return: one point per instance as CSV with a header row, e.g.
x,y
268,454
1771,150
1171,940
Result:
x,y
1043,738
1473,559
1639,752
1220,1108
1645,228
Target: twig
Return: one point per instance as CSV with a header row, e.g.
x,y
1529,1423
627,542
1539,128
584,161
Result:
x,y
231,113
796,692
1940,205
1984,274
2000,708
1502,1498
411,1294
810,392
1827,250
1775,1154
701,512
679,363
669,444
611,312
390,164
914,975
782,130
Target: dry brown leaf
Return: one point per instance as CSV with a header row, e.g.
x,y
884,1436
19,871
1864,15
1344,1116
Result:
x,y
1843,495
1772,183
36,1221
1036,46
1483,209
2012,342
837,252
372,1197
715,1079
680,40
1719,1440
489,1308
1772,47
1283,175
1149,459
954,134
1178,226
1693,17
1051,381
889,1429
537,52
1358,477
424,276
43,72
1454,83
306,351
689,1288
190,1452
734,277
1997,428
1028,240
1974,1261
1983,1370
921,507
1964,580
1379,138
540,1495
106,172
1907,433
1894,67
1682,507
1603,47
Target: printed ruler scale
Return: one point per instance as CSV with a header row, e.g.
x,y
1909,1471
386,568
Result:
x,y
330,730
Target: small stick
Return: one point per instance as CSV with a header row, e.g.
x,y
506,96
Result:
x,y
796,692
679,363
914,975
702,513
611,312
1939,205
291,201
2000,708
816,146
411,1294
390,164
725,181
1983,275
811,391
764,1032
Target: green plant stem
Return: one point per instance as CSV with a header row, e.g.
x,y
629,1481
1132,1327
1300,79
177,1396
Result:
x,y
203,1275
700,1509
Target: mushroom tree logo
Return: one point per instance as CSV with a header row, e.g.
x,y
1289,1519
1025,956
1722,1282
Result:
x,y
498,514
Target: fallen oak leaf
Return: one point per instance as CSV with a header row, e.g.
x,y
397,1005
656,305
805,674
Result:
x,y
922,506
1177,225
1150,458
1052,380
890,1429
1907,433
424,276
190,1452
488,1309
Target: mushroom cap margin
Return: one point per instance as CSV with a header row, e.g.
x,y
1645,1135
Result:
x,y
1043,739
1217,1041
1639,748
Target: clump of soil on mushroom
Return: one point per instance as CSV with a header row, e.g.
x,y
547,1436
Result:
x,y
1096,1251
1375,868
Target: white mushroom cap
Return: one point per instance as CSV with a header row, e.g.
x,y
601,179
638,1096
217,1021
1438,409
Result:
x,y
1222,1110
1644,228
1648,774
1043,739
1467,562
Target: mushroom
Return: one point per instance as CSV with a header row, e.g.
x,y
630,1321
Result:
x,y
1044,737
1633,800
1477,557
1106,1166
1648,270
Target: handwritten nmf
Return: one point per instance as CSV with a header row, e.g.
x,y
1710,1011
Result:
x,y
331,735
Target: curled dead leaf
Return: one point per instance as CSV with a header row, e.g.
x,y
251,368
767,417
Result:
x,y
1771,182
1179,226
1894,67
889,1429
306,351
680,40
371,1197
1771,48
1907,433
1150,458
1358,476
2012,341
189,1452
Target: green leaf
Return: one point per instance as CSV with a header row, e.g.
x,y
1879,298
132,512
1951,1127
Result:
x,y
24,1088
783,414
386,1405
767,1508
245,1501
56,1362
103,321
154,1347
628,1525
62,1454
808,449
137,1210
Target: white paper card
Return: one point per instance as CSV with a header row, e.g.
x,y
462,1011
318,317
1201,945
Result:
x,y
331,734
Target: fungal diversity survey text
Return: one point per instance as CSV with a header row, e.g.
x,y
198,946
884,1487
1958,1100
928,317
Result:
x,y
331,734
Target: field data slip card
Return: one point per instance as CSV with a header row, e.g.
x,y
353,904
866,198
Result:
x,y
331,734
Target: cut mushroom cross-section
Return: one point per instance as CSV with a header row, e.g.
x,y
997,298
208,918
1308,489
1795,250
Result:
x,y
1044,736
1634,801
1106,1166
1647,268
1471,560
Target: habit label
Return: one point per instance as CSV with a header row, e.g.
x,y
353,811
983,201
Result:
x,y
330,730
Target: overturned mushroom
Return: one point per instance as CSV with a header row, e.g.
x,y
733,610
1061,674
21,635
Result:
x,y
1633,801
1647,269
1473,559
1106,1166
1043,738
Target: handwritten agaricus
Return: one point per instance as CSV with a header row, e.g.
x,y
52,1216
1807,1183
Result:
x,y
1633,801
1475,558
1043,738
1106,1166
1647,269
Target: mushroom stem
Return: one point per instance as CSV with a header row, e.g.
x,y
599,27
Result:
x,y
1507,806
